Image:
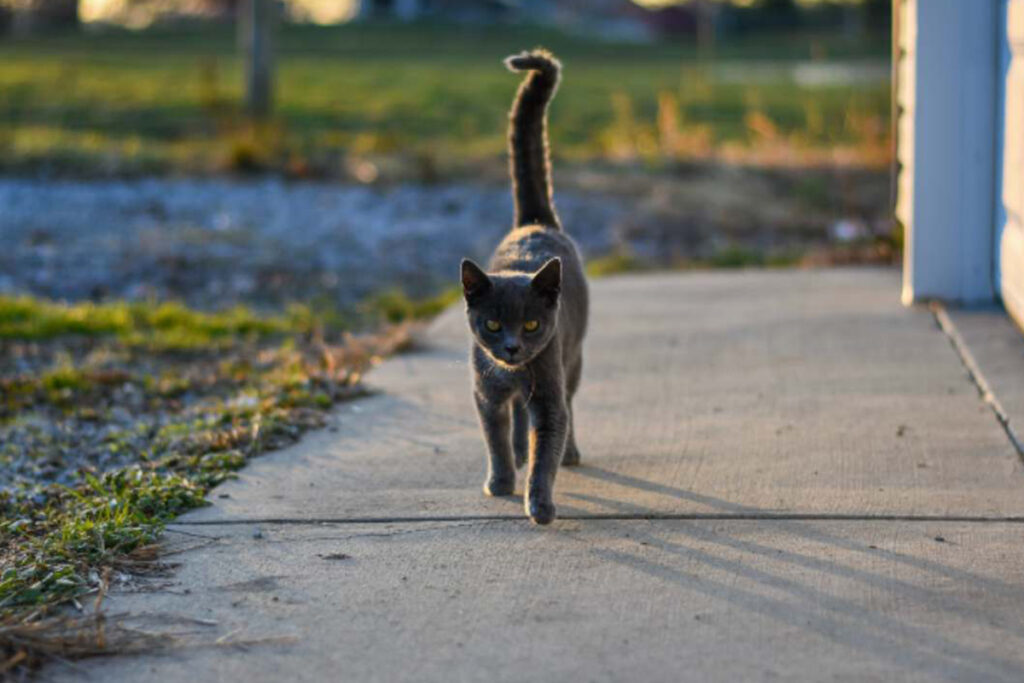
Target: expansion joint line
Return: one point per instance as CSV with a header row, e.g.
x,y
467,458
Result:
x,y
638,516
945,324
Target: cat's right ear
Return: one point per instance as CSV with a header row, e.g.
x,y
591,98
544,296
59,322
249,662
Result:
x,y
474,281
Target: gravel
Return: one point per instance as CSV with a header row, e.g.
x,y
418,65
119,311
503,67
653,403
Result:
x,y
216,242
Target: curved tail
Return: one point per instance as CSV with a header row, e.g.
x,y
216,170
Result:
x,y
528,138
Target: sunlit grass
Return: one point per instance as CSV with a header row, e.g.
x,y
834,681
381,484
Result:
x,y
395,306
186,397
164,326
623,261
159,100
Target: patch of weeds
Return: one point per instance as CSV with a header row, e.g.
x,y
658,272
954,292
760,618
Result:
x,y
879,250
115,418
396,306
619,261
736,257
744,257
52,549
65,378
786,258
160,327
255,147
623,261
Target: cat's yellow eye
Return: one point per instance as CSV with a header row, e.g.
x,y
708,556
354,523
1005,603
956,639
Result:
x,y
493,325
531,325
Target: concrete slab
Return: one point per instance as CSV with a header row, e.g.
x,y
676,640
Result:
x,y
748,398
996,344
594,601
740,392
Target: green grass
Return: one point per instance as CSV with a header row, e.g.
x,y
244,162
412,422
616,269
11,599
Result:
x,y
185,398
436,97
395,306
623,261
163,327
55,536
614,263
87,527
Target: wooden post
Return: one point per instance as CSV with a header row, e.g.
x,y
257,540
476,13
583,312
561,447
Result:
x,y
256,33
707,28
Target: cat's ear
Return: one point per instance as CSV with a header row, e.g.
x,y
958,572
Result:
x,y
474,280
547,282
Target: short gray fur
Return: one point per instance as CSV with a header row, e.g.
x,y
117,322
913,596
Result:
x,y
525,380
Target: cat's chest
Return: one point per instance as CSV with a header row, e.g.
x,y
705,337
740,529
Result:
x,y
512,382
497,380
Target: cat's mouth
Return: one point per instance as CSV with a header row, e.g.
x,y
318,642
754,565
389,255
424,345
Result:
x,y
508,362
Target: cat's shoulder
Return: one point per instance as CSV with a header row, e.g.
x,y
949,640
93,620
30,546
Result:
x,y
535,242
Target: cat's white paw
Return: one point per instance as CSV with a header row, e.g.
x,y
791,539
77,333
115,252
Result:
x,y
500,486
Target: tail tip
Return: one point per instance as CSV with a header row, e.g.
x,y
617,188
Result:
x,y
538,59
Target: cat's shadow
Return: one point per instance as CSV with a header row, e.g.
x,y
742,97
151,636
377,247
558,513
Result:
x,y
803,528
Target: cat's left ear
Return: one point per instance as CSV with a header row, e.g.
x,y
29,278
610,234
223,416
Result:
x,y
547,282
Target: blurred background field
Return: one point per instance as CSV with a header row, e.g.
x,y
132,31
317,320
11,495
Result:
x,y
768,145
428,101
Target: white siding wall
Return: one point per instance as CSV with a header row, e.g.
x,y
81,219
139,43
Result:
x,y
1011,243
947,137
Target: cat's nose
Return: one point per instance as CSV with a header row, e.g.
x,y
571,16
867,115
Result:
x,y
512,349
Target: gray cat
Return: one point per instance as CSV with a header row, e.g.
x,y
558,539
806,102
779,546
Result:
x,y
528,314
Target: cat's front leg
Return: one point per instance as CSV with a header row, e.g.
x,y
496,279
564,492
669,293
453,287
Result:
x,y
520,432
496,424
549,429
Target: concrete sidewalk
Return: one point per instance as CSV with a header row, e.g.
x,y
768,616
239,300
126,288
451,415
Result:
x,y
787,475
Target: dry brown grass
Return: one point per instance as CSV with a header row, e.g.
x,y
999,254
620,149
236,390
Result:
x,y
57,627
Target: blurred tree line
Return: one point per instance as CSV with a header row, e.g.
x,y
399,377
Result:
x,y
711,18
707,21
854,17
28,16
715,19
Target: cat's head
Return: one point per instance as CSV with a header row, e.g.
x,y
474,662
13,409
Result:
x,y
512,315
